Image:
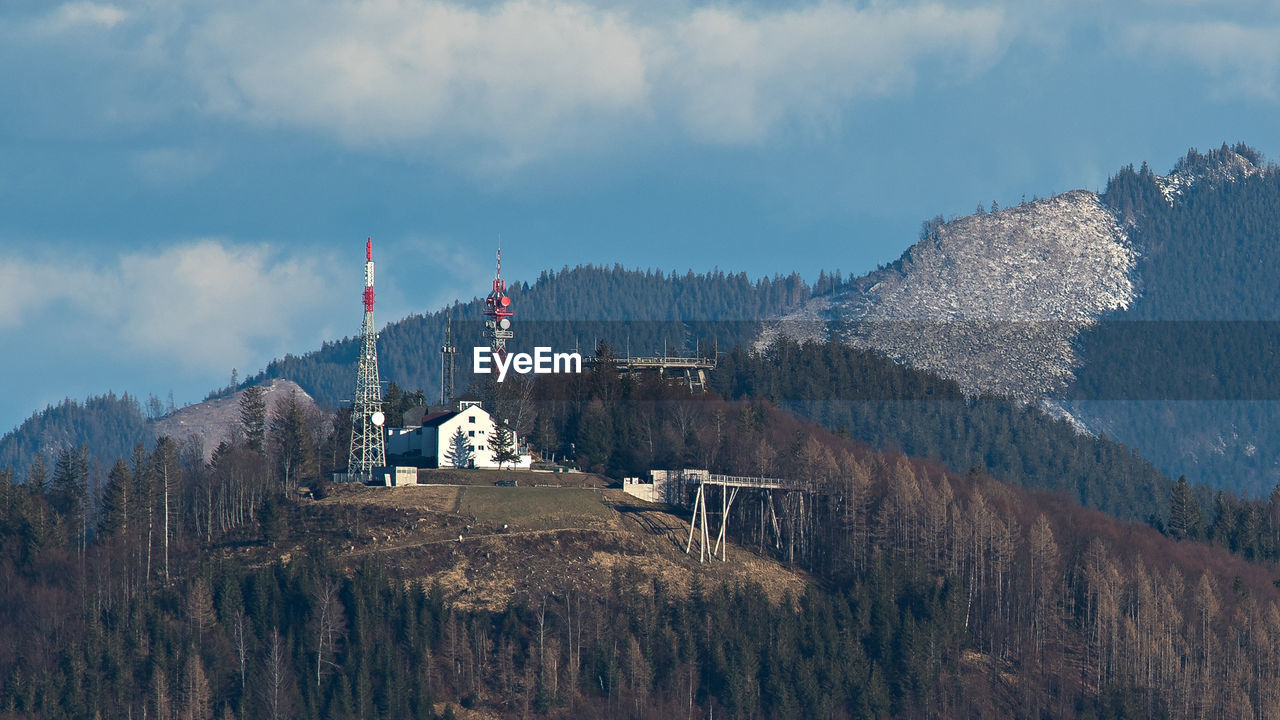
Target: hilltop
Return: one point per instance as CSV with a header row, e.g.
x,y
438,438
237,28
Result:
x,y
492,547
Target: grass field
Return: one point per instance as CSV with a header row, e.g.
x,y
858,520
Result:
x,y
531,508
521,508
523,478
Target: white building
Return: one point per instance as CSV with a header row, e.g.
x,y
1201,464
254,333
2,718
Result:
x,y
427,436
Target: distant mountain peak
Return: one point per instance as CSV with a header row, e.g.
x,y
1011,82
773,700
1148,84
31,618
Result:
x,y
1225,164
991,300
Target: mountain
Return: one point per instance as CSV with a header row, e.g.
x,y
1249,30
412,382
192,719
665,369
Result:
x,y
217,420
110,426
638,312
993,301
1146,314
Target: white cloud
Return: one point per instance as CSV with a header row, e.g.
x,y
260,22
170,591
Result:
x,y
1244,57
526,78
738,77
384,72
81,15
202,306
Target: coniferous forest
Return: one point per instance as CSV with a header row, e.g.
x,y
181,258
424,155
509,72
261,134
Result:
x,y
1207,319
190,589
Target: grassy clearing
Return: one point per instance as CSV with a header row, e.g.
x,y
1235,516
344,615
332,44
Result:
x,y
524,478
532,508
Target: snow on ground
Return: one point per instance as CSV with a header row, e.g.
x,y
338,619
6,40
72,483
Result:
x,y
993,301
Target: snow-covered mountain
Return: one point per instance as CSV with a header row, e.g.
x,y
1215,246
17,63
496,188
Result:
x,y
997,300
993,300
1151,314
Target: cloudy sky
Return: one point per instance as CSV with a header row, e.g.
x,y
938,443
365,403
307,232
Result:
x,y
185,186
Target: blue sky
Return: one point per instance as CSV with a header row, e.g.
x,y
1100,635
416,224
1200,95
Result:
x,y
185,187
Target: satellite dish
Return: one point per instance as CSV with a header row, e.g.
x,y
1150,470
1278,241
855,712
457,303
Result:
x,y
504,323
505,301
378,418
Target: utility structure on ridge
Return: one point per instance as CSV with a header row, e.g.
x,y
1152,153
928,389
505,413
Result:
x,y
447,351
368,447
497,307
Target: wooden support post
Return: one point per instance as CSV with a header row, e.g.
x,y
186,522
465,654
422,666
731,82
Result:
x,y
693,521
703,552
777,532
722,542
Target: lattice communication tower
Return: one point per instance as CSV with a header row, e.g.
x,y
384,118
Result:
x,y
368,447
497,307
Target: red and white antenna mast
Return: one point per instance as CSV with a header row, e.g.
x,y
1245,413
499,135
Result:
x,y
368,446
497,307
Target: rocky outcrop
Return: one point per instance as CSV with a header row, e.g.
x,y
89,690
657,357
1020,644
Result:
x,y
993,300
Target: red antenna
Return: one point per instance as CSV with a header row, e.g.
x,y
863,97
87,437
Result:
x,y
498,310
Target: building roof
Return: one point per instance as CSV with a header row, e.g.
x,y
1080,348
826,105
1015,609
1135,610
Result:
x,y
436,419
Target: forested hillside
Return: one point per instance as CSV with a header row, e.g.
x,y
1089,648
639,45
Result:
x,y
889,406
935,594
109,426
1188,373
649,312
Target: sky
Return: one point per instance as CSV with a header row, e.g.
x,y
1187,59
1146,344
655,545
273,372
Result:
x,y
186,186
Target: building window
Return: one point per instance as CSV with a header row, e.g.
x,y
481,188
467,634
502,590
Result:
x,y
480,448
471,433
472,419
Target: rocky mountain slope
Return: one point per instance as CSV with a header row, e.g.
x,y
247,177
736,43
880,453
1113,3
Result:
x,y
214,421
993,301
1012,302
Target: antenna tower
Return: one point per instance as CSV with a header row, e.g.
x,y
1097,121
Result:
x,y
447,351
497,307
368,449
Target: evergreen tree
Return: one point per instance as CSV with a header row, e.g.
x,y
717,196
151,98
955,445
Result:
x,y
67,494
503,444
458,454
116,499
1185,518
253,416
38,475
292,445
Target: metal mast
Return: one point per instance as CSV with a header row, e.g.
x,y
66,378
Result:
x,y
368,449
447,351
497,307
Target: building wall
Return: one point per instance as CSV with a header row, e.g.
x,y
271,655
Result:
x,y
430,443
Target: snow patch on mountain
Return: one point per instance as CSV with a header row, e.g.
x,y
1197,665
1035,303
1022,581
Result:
x,y
993,301
1216,166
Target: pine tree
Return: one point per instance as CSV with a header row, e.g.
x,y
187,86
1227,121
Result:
x,y
38,475
253,416
503,444
67,495
116,499
459,453
1185,518
294,450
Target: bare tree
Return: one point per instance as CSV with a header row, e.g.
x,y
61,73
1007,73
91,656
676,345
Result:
x,y
197,702
276,676
328,622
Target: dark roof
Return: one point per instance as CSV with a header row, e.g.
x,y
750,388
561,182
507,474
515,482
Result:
x,y
436,419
